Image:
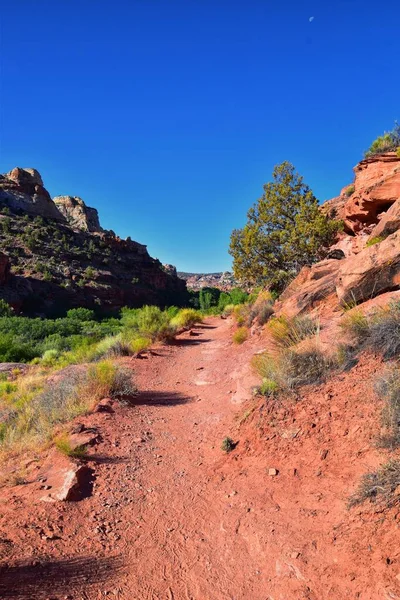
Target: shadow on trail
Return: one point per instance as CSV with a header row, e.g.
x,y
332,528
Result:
x,y
206,326
190,342
160,399
49,579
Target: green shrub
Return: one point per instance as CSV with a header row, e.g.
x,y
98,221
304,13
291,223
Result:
x,y
139,344
375,240
63,445
350,190
285,230
388,142
80,314
227,445
240,335
149,321
5,309
379,486
241,313
268,388
228,310
110,347
186,318
50,357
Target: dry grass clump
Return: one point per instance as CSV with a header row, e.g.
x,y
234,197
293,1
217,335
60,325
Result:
x,y
287,332
241,314
240,335
262,309
292,368
379,331
379,486
388,388
36,406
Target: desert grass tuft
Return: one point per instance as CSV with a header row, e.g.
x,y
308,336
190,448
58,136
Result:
x,y
291,368
287,332
388,388
240,335
379,486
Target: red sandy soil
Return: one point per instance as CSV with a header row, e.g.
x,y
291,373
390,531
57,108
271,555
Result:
x,y
172,517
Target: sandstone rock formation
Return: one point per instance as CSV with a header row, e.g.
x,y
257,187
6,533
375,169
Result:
x,y
22,189
77,214
389,222
370,243
374,271
376,188
66,259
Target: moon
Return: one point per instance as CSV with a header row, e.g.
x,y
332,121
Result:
x,y
311,19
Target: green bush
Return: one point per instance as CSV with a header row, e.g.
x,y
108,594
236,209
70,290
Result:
x,y
63,445
285,230
80,314
241,334
186,318
227,445
350,190
388,142
268,388
5,309
375,240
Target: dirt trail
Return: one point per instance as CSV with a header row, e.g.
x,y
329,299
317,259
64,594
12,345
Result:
x,y
174,518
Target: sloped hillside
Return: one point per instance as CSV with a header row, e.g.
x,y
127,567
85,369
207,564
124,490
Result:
x,y
57,256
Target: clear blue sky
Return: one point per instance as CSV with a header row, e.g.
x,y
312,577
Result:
x,y
169,115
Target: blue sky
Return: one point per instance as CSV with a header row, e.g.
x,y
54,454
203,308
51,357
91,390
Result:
x,y
169,115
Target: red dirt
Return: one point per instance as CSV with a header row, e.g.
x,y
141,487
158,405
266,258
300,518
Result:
x,y
172,517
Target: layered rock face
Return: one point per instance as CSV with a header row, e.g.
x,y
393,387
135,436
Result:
x,y
77,214
65,259
365,261
376,188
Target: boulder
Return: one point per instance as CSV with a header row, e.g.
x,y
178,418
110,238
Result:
x,y
312,286
77,214
374,271
65,480
389,222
